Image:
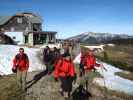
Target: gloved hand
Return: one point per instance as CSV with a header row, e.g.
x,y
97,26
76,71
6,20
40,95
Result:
x,y
74,78
56,79
14,70
94,69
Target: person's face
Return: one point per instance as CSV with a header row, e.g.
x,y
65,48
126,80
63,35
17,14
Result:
x,y
67,58
21,51
52,49
90,53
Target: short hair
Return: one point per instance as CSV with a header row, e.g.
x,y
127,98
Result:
x,y
21,49
66,54
47,46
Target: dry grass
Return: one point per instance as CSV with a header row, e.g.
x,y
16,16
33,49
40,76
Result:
x,y
8,88
114,95
127,75
120,53
8,91
119,56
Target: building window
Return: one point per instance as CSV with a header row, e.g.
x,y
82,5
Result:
x,y
35,27
19,20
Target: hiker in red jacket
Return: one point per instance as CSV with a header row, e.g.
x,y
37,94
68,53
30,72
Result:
x,y
90,61
20,66
64,70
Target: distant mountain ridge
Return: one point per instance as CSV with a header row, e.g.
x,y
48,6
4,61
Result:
x,y
92,38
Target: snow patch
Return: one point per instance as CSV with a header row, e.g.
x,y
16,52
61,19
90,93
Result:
x,y
8,52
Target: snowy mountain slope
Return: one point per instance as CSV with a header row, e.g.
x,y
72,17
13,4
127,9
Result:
x,y
90,37
7,52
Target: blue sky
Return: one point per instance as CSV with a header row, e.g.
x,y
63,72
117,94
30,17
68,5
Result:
x,y
71,17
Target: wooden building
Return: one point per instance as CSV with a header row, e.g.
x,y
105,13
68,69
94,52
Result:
x,y
26,28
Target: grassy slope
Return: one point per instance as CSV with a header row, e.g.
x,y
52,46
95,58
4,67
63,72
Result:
x,y
119,56
127,75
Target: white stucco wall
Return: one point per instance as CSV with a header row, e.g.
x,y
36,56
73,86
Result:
x,y
19,37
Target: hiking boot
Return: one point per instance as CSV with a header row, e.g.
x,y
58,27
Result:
x,y
61,92
66,94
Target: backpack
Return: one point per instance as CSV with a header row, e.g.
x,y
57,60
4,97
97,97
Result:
x,y
24,56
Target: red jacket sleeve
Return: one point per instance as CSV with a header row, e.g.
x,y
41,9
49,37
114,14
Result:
x,y
72,70
94,61
97,65
56,71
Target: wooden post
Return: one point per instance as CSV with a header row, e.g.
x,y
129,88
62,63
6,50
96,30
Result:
x,y
30,39
47,38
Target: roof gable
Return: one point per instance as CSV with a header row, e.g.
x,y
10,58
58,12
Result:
x,y
34,19
4,19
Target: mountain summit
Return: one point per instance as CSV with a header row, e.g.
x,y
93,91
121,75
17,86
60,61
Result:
x,y
93,38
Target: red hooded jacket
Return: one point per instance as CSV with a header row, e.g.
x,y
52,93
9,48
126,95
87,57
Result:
x,y
64,68
90,62
21,62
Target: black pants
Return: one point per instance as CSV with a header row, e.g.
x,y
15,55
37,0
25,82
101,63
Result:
x,y
81,69
66,83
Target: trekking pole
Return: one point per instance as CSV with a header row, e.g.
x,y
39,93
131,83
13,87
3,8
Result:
x,y
102,65
103,76
105,88
103,69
